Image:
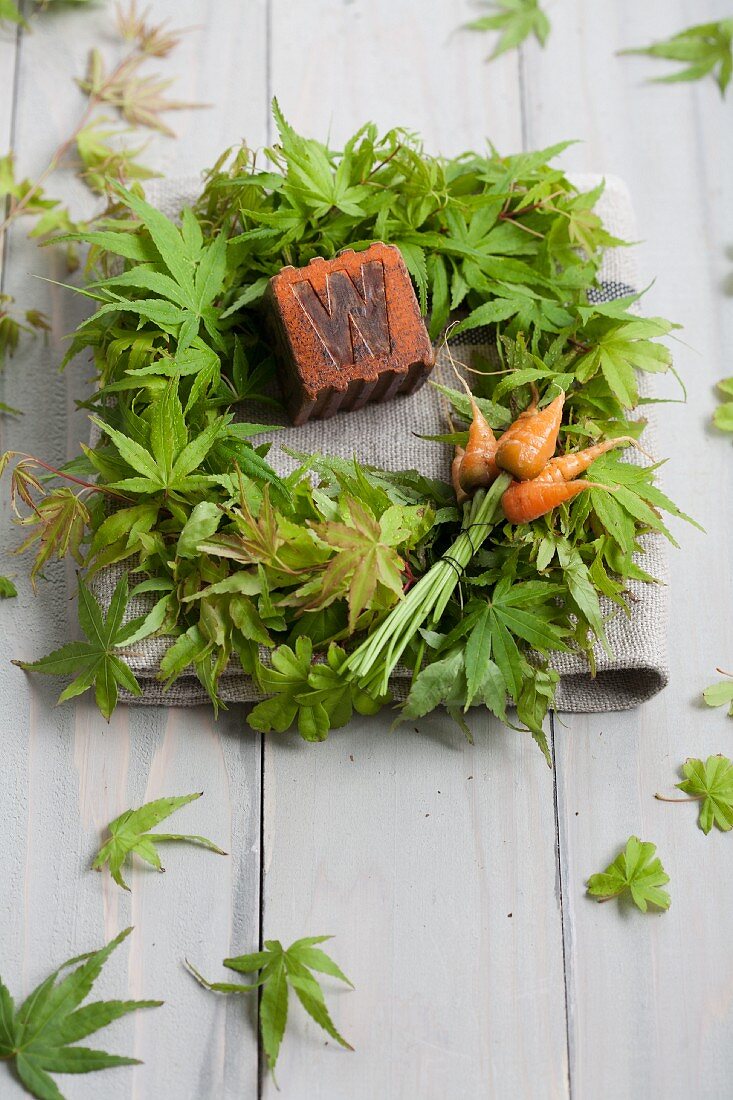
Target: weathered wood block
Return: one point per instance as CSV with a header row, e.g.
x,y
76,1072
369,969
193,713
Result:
x,y
347,331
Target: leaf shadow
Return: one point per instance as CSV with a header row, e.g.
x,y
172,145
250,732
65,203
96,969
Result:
x,y
439,728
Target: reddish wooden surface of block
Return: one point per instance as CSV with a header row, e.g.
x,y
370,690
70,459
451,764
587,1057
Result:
x,y
347,331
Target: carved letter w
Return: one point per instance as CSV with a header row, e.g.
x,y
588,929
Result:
x,y
351,325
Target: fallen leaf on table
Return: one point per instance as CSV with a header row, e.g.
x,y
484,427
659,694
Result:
x,y
710,783
723,415
280,970
720,694
129,834
706,48
94,662
38,1036
7,588
636,870
516,20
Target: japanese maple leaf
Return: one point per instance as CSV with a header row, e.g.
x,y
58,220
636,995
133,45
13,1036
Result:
x,y
315,694
40,1037
636,870
720,694
706,48
516,19
95,662
710,783
129,833
281,970
187,274
364,558
171,464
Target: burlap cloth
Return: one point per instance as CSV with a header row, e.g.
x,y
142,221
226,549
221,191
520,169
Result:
x,y
384,435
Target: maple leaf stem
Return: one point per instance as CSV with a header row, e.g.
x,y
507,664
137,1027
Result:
x,y
383,163
692,798
71,477
95,100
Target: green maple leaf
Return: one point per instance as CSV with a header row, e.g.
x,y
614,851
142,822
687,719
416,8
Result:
x,y
489,667
313,184
636,870
723,415
619,347
40,1037
169,463
517,20
9,12
523,611
129,834
365,558
103,161
314,694
634,501
711,783
185,275
706,48
96,662
280,971
7,588
720,694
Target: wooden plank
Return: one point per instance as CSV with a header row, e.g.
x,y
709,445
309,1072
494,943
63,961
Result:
x,y
10,38
431,861
650,996
336,65
13,831
68,773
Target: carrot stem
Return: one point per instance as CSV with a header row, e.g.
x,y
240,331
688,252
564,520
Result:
x,y
373,662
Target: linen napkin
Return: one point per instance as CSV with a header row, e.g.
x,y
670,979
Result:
x,y
384,435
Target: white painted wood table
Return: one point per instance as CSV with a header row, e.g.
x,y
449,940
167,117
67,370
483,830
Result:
x,y
452,876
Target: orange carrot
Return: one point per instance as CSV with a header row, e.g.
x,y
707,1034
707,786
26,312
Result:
x,y
566,467
455,477
524,501
527,444
478,466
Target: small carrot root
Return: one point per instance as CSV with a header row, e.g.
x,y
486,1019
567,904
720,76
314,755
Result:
x,y
478,467
529,443
455,477
524,501
567,467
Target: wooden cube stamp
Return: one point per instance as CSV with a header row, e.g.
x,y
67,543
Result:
x,y
347,331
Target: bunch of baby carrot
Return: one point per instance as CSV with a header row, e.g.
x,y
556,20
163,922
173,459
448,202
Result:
x,y
525,450
517,475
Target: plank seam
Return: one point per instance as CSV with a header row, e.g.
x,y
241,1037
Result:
x,y
261,1063
261,929
523,109
524,118
561,899
11,142
269,90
